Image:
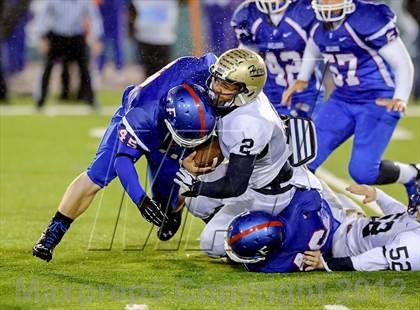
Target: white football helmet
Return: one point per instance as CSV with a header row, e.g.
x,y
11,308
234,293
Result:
x,y
333,12
272,6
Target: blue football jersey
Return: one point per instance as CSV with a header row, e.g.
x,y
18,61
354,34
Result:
x,y
281,46
143,104
359,72
309,225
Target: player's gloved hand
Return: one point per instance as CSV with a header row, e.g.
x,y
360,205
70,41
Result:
x,y
186,182
151,211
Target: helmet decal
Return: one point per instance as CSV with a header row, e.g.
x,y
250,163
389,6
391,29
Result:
x,y
188,115
199,108
244,233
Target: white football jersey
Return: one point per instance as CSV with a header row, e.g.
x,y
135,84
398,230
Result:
x,y
255,128
375,243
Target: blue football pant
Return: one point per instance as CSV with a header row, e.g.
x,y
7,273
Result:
x,y
372,127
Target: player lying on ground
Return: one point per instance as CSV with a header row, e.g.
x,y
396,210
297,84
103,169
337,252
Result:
x,y
160,119
279,30
375,243
373,75
317,233
253,138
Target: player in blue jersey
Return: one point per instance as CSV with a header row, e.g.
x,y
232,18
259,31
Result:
x,y
161,119
279,30
373,75
267,243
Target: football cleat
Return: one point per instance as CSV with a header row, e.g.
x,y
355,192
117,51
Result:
x,y
170,226
50,237
413,186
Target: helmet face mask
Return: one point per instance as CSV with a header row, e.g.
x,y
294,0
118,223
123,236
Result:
x,y
189,116
241,259
222,92
242,73
183,142
333,12
272,6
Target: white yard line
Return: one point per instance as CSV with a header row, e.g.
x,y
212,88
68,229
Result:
x,y
401,133
336,307
413,110
74,110
97,132
340,184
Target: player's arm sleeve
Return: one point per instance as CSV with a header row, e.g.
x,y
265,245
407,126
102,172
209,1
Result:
x,y
234,183
311,56
371,260
396,55
388,204
128,153
245,139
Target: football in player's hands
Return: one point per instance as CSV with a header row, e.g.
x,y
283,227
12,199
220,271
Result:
x,y
208,154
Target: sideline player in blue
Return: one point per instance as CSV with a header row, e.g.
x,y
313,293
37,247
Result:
x,y
159,119
373,75
267,243
279,30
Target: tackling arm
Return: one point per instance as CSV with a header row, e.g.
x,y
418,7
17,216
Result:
x,y
127,154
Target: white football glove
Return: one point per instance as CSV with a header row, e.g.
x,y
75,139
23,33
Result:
x,y
186,182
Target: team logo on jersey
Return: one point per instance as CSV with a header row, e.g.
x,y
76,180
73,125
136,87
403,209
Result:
x,y
275,45
255,72
332,48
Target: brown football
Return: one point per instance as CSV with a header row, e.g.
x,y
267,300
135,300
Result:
x,y
207,151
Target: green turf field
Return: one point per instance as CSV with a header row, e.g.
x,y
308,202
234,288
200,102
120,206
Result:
x,y
111,257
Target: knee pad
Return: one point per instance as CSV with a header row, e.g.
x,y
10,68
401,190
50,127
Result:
x,y
389,172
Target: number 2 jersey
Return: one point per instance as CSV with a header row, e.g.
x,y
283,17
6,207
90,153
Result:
x,y
309,225
281,47
352,52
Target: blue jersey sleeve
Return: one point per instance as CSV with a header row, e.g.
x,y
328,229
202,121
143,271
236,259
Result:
x,y
139,123
128,153
242,24
376,24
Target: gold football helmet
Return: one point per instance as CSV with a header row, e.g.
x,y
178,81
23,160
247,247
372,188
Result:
x,y
242,68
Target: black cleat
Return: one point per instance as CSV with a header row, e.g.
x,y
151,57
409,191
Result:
x,y
48,240
170,226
